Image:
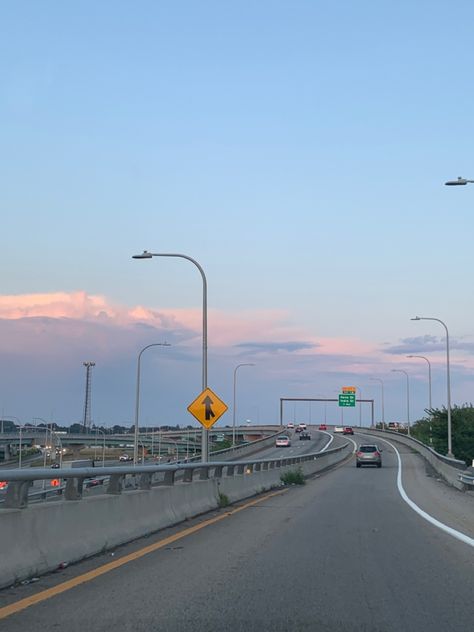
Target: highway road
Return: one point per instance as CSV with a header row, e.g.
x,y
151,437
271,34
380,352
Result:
x,y
343,553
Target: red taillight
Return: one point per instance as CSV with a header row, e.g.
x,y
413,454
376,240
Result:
x,y
359,453
376,453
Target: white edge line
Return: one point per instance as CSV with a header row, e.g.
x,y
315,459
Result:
x,y
426,516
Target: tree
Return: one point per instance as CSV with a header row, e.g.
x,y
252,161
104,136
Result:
x,y
435,427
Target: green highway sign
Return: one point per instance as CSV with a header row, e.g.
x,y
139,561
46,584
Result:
x,y
347,399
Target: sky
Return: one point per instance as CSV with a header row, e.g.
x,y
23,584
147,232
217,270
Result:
x,y
297,150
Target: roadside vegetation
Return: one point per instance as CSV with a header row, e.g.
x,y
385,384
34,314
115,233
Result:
x,y
433,431
293,477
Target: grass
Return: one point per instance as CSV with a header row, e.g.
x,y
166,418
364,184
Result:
x,y
293,477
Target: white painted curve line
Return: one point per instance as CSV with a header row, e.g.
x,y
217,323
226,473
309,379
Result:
x,y
426,516
331,439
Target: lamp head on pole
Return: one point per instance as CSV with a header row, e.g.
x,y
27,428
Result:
x,y
454,183
145,255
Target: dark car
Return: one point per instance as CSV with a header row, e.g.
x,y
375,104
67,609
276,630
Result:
x,y
305,436
55,466
348,430
94,482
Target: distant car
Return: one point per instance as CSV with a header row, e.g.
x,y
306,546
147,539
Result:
x,y
302,426
368,455
338,429
305,436
55,466
125,457
348,430
323,427
291,425
94,482
283,442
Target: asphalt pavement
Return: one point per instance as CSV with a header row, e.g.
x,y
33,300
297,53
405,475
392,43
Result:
x,y
343,553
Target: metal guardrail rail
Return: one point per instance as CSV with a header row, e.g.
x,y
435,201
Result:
x,y
466,479
19,481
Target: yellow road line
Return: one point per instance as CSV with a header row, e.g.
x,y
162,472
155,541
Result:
x,y
18,606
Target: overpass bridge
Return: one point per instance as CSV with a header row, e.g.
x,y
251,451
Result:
x,y
169,440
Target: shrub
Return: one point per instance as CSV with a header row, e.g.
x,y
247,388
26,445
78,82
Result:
x,y
293,477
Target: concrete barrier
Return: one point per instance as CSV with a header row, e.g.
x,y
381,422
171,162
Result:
x,y
39,538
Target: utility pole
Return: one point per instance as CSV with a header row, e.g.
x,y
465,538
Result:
x,y
87,402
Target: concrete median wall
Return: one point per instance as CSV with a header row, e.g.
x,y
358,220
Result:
x,y
42,536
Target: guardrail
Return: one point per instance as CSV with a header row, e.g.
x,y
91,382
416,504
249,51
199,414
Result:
x,y
467,480
137,501
19,481
447,467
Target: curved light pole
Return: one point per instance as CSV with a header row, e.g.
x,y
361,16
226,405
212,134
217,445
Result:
x,y
233,407
448,380
378,379
408,395
429,375
148,255
137,397
57,438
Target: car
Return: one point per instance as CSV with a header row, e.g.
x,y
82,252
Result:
x,y
298,429
338,429
282,442
305,436
291,425
323,427
125,457
368,454
55,466
348,430
94,482
302,426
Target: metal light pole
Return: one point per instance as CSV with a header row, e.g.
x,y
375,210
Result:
x,y
448,380
137,397
149,255
360,407
87,401
234,403
378,379
408,395
429,376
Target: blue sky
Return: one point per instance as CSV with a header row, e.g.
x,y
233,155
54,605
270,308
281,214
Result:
x,y
296,149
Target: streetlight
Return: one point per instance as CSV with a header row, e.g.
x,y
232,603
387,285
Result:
x,y
378,379
137,396
429,375
149,255
448,380
459,181
56,437
408,396
233,407
360,407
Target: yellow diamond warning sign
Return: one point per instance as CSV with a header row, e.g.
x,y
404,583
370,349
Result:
x,y
207,408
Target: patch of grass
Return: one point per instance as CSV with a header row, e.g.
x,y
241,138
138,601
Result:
x,y
293,477
223,500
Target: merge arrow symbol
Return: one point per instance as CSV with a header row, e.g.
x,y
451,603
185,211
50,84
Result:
x,y
207,401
